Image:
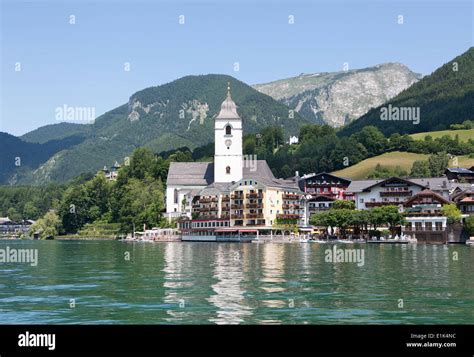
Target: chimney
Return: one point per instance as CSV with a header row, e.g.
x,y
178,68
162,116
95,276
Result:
x,y
297,174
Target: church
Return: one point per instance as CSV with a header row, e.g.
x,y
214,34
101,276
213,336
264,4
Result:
x,y
233,196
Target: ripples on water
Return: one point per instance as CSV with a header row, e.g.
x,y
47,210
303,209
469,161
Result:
x,y
229,283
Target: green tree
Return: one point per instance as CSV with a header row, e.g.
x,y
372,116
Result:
x,y
285,171
47,226
372,139
420,168
30,211
343,204
376,217
14,215
452,213
392,217
74,209
469,225
142,203
438,163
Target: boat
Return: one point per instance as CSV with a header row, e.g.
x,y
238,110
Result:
x,y
470,241
320,241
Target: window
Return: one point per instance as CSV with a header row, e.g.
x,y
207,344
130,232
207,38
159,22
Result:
x,y
176,195
228,130
227,170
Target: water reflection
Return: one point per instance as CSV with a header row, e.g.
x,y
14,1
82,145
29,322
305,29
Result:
x,y
229,298
273,269
175,284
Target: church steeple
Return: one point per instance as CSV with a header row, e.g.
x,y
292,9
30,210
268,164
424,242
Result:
x,y
228,142
228,107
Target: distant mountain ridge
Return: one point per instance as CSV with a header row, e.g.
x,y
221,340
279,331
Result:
x,y
19,158
176,114
444,97
55,132
337,98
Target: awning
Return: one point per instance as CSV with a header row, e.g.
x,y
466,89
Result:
x,y
248,230
225,230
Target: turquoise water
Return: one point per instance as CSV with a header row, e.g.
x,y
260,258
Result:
x,y
231,283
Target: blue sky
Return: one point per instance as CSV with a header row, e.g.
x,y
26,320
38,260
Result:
x,y
82,65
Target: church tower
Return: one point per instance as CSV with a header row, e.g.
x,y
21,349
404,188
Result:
x,y
228,142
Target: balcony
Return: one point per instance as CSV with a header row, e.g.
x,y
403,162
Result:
x,y
288,216
207,217
235,206
225,199
379,204
253,215
290,196
423,229
254,195
318,209
237,216
254,205
424,214
238,196
294,206
400,193
255,224
207,200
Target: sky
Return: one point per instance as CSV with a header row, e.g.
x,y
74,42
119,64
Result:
x,y
48,62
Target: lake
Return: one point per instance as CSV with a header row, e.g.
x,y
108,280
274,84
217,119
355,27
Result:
x,y
105,282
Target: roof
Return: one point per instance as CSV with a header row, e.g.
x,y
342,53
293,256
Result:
x,y
314,175
228,108
433,183
394,178
262,173
202,174
190,173
360,185
426,193
459,170
464,193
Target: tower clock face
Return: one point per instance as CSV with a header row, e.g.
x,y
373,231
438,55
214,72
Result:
x,y
228,142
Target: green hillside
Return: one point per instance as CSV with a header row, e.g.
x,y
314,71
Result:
x,y
19,158
445,97
56,132
391,160
464,135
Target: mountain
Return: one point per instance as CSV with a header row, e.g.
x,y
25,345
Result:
x,y
337,98
173,115
19,157
444,97
56,132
